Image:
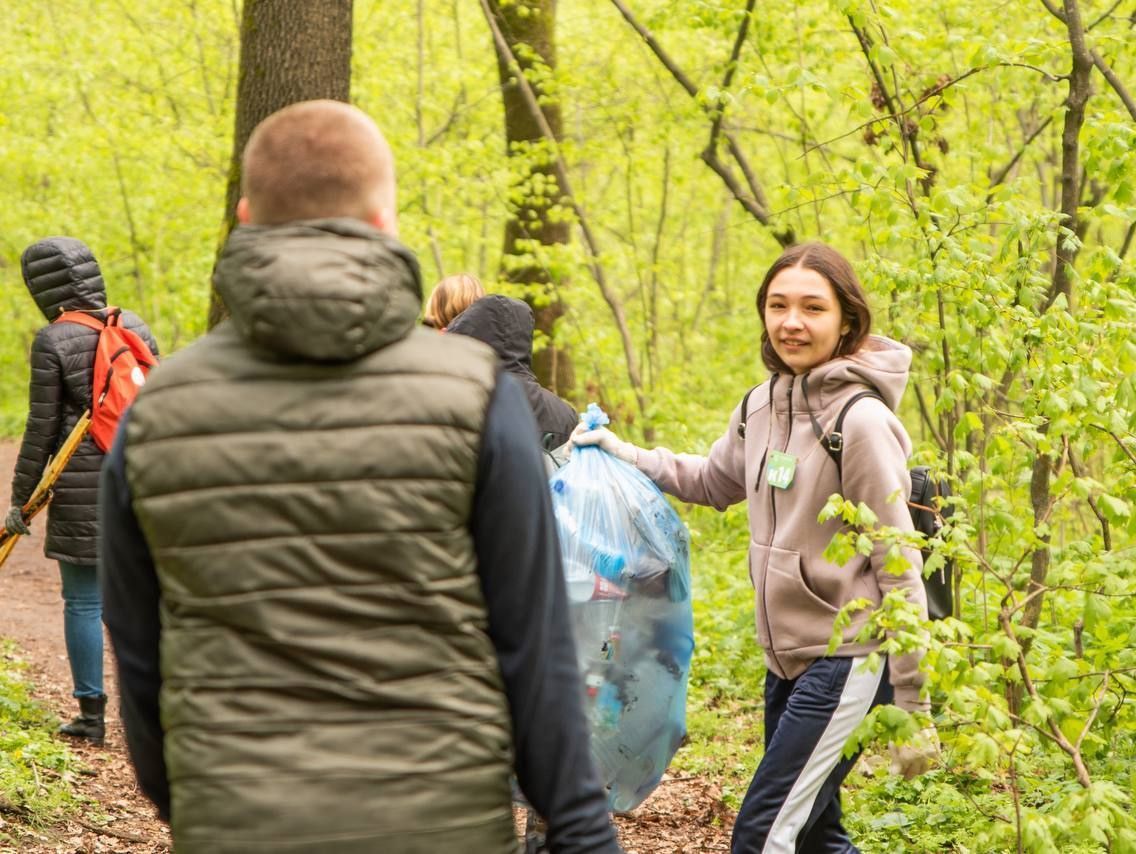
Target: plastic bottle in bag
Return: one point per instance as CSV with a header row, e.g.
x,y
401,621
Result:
x,y
627,565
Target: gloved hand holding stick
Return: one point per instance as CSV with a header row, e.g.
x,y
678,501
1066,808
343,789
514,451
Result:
x,y
16,522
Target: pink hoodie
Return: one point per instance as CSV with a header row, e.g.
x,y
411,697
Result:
x,y
796,591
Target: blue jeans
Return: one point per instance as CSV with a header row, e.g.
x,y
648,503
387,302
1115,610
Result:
x,y
83,627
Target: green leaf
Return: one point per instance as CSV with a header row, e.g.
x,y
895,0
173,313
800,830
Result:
x,y
1114,509
1004,647
1096,612
885,55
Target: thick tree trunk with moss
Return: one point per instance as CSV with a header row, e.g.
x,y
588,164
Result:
x,y
529,28
291,50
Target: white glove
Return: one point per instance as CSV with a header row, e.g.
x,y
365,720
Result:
x,y
916,756
605,439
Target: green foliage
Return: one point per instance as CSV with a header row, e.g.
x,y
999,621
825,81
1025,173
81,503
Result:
x,y
116,130
940,177
727,670
34,765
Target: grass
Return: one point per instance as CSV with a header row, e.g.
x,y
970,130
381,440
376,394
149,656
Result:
x,y
12,423
35,768
723,718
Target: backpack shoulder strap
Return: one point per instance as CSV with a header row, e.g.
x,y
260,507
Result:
x,y
82,318
745,411
833,443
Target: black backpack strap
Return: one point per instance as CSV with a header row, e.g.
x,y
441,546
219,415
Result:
x,y
834,441
745,408
819,433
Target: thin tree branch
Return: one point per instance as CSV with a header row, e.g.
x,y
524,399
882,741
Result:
x,y
420,123
1104,16
561,170
1119,443
1126,244
933,92
754,202
1001,174
456,110
925,412
1025,601
127,210
752,206
1106,533
896,108
1016,794
731,68
1097,703
203,65
866,47
1115,83
720,112
656,249
657,49
716,240
1073,751
114,832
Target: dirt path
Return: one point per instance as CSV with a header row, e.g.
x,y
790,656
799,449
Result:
x,y
684,816
122,819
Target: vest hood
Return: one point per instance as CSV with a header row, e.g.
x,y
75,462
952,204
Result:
x,y
62,275
505,324
326,290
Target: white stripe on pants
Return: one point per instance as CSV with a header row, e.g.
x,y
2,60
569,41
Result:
x,y
855,702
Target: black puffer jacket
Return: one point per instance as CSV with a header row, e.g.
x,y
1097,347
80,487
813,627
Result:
x,y
62,275
506,325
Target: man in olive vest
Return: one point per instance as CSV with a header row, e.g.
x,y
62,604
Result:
x,y
330,566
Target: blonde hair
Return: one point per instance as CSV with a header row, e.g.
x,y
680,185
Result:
x,y
316,159
450,297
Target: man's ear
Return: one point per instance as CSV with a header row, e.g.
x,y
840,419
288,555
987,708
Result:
x,y
243,211
385,220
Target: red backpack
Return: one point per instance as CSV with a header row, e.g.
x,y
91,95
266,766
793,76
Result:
x,y
122,360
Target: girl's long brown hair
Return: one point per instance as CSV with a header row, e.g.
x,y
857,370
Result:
x,y
834,267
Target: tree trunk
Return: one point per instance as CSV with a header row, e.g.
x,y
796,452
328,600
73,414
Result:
x,y
291,50
1062,285
532,24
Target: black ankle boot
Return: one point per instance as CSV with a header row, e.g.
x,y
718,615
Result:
x,y
89,724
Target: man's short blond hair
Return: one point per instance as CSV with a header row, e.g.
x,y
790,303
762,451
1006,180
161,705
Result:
x,y
317,159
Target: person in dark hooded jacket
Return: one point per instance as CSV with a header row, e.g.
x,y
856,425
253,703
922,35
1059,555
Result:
x,y
62,275
506,325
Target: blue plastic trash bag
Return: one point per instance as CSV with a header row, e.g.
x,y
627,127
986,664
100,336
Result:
x,y
627,566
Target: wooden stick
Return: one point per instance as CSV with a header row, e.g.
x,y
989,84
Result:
x,y
41,496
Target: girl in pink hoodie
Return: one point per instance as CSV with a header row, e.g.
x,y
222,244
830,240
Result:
x,y
816,341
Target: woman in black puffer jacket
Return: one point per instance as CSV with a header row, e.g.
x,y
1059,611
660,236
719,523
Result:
x,y
62,275
506,325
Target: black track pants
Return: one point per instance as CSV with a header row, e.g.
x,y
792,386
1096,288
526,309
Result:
x,y
793,803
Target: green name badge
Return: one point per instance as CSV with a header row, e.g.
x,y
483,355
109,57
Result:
x,y
779,469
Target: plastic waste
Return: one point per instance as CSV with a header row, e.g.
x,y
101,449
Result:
x,y
627,567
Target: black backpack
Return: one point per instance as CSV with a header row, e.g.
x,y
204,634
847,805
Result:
x,y
921,504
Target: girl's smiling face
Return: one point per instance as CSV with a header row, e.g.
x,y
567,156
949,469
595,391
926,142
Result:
x,y
803,318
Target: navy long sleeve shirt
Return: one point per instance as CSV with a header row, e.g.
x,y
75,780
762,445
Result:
x,y
518,558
